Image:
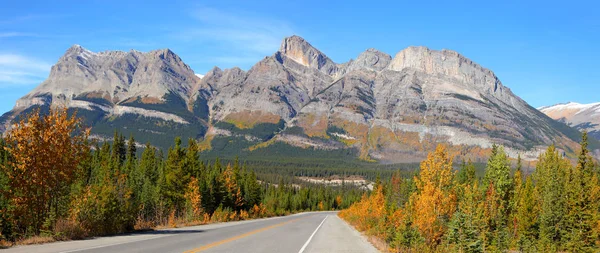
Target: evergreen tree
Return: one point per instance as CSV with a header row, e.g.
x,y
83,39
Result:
x,y
514,202
147,185
191,162
499,185
527,216
582,200
551,171
466,175
176,180
465,227
119,151
6,220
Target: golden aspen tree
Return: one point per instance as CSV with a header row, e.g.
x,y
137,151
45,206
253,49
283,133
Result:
x,y
46,152
434,202
193,198
234,193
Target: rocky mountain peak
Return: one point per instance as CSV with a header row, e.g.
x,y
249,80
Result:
x,y
164,54
303,53
117,76
78,52
371,59
447,63
76,48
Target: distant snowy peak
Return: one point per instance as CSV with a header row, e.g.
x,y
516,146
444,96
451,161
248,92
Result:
x,y
570,109
581,116
200,76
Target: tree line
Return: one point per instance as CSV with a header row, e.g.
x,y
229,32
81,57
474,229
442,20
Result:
x,y
56,181
554,209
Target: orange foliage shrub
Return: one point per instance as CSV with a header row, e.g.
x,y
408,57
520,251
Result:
x,y
368,213
259,211
172,219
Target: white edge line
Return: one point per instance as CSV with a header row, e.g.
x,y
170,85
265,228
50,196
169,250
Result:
x,y
311,236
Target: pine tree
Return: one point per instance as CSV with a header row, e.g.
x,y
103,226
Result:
x,y
551,172
176,179
499,185
252,190
119,151
465,227
147,186
131,163
191,162
527,216
497,172
514,202
582,200
6,220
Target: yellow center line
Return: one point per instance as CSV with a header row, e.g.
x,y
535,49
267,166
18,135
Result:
x,y
215,244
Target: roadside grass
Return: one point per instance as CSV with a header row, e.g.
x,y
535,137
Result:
x,y
35,240
380,244
5,244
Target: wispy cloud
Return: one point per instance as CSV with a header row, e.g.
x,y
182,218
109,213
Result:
x,y
18,70
16,34
28,18
241,33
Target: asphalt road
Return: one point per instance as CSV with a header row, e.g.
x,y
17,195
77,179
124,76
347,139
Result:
x,y
300,233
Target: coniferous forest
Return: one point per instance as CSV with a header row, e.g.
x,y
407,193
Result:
x,y
56,182
554,209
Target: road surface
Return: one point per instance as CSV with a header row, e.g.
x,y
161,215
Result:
x,y
300,233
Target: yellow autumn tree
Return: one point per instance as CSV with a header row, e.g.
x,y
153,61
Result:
x,y
338,201
46,152
434,202
234,193
193,198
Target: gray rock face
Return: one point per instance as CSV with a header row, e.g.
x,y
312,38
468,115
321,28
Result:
x,y
390,109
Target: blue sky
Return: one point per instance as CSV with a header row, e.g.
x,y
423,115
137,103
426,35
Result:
x,y
545,51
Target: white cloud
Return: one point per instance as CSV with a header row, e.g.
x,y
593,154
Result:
x,y
28,18
18,70
16,34
246,34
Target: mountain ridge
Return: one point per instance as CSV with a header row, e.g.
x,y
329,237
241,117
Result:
x,y
388,109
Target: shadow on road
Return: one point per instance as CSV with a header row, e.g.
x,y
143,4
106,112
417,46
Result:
x,y
168,232
149,232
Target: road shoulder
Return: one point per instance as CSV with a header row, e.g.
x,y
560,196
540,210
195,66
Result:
x,y
336,235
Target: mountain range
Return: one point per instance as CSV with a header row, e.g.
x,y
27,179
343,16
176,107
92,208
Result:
x,y
374,108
